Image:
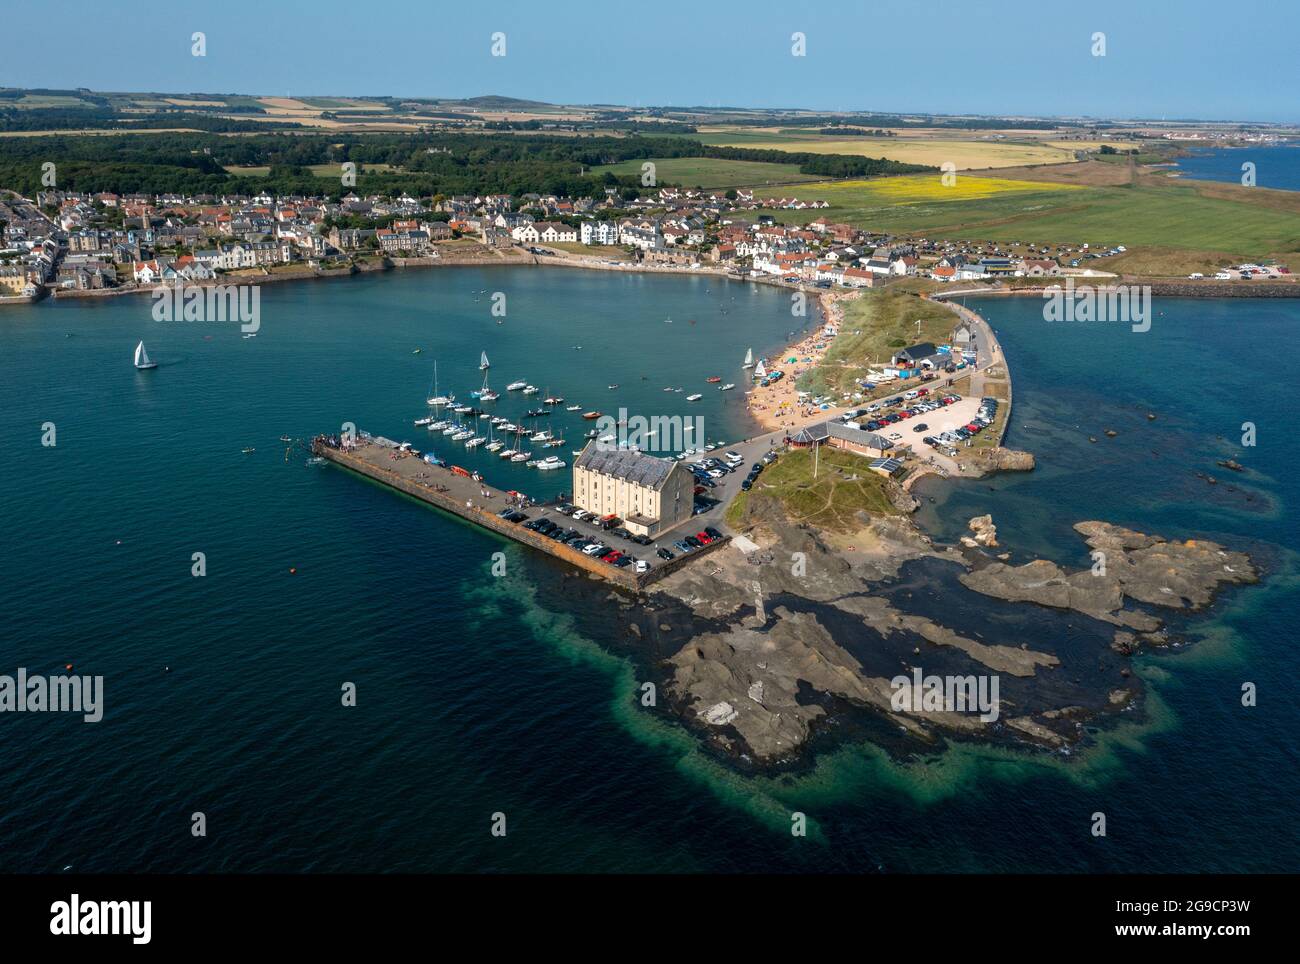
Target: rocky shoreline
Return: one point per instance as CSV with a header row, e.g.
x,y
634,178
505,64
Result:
x,y
802,636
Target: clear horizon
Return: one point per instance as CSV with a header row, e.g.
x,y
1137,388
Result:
x,y
1185,61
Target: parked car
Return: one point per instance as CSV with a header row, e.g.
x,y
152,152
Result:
x,y
713,532
919,427
665,554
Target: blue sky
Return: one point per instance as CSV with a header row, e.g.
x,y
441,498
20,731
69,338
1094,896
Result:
x,y
1163,58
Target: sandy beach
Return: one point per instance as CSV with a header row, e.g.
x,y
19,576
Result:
x,y
777,406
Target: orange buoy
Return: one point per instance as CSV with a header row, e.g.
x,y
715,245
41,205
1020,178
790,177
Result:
x,y
292,571
67,666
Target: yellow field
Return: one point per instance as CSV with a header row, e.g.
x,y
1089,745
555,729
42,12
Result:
x,y
184,102
965,154
920,189
1092,145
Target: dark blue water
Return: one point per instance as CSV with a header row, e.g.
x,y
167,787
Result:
x,y
479,695
1275,167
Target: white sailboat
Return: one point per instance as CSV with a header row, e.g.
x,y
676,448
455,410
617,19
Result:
x,y
749,358
483,363
437,399
760,371
142,361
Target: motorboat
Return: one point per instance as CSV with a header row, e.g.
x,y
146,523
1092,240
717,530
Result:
x,y
591,415
727,387
515,386
552,462
573,408
694,398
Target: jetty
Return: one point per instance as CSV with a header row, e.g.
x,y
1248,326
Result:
x,y
465,494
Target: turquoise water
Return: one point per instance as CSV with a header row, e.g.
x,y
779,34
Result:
x,y
478,695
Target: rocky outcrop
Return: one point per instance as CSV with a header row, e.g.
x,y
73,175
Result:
x,y
982,462
986,533
1126,565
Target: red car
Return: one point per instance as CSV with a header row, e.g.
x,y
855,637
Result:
x,y
704,537
612,556
973,428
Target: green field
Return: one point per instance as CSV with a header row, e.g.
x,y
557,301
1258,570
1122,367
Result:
x,y
1190,221
876,324
711,173
844,486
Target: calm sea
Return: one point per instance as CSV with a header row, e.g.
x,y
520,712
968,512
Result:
x,y
1275,167
479,695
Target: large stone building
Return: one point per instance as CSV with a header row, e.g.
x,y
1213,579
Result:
x,y
650,495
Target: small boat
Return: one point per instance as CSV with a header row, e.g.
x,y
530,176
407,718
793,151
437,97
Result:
x,y
416,351
251,335
531,390
760,371
521,456
606,439
532,463
713,380
432,459
487,395
536,413
316,460
749,358
612,387
591,415
462,436
515,386
285,438
573,408
554,443
694,398
553,400
249,451
507,453
423,421
476,441
552,462
543,436
484,364
462,409
727,387
440,424
142,361
451,429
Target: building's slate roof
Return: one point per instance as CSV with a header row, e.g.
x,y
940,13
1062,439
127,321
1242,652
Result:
x,y
625,464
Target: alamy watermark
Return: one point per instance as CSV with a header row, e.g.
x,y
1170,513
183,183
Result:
x,y
1125,303
949,694
658,433
216,303
53,694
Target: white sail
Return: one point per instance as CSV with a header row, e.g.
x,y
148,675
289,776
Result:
x,y
483,363
760,371
142,357
749,357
